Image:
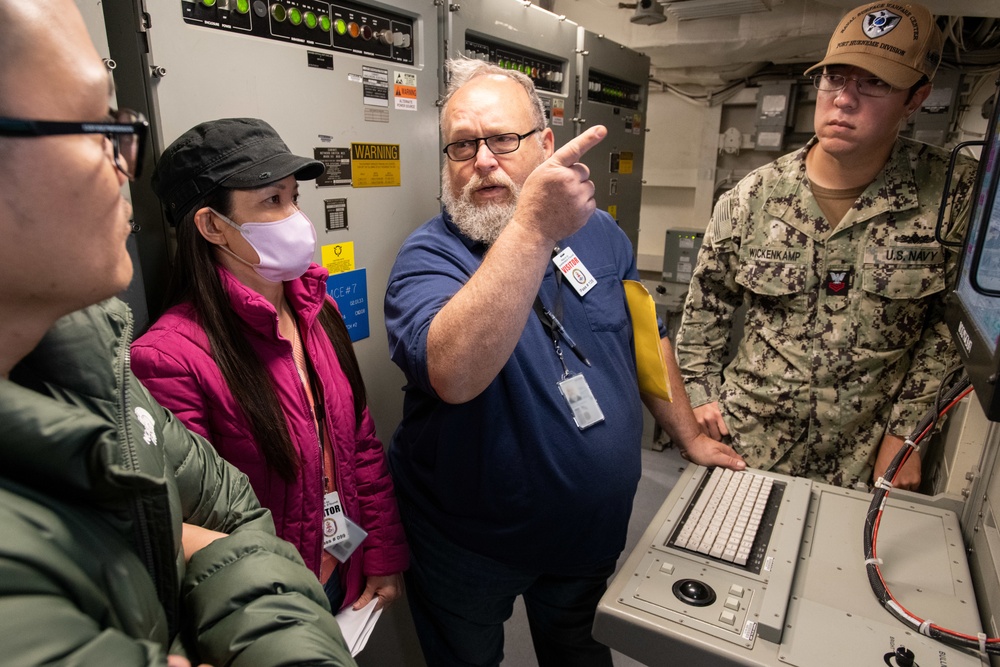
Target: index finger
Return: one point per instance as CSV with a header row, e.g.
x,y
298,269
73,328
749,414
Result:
x,y
574,149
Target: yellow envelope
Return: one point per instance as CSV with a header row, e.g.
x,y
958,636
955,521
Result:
x,y
650,366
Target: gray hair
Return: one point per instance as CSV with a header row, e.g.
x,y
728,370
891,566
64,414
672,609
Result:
x,y
463,70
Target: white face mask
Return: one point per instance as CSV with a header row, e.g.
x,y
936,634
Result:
x,y
285,247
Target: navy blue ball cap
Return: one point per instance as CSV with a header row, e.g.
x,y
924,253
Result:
x,y
230,152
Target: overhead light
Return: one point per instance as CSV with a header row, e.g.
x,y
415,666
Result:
x,y
648,12
684,10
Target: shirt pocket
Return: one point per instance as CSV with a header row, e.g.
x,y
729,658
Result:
x,y
779,301
605,303
894,303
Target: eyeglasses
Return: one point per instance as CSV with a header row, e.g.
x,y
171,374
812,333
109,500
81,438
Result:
x,y
499,144
125,129
869,86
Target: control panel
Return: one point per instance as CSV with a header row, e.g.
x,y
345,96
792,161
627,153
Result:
x,y
547,74
811,603
721,599
339,26
680,254
607,89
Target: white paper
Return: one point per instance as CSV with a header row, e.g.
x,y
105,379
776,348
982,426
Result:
x,y
357,626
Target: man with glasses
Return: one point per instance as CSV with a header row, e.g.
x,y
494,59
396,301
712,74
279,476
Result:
x,y
832,250
125,537
124,128
519,450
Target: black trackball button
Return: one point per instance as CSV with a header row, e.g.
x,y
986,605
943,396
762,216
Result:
x,y
694,592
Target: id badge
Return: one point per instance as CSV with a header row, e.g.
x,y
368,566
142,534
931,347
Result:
x,y
579,398
576,273
334,521
355,536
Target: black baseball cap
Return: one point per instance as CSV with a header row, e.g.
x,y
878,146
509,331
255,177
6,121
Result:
x,y
230,152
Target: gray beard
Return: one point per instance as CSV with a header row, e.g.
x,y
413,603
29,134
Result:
x,y
482,223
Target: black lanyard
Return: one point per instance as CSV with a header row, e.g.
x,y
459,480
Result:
x,y
556,330
551,321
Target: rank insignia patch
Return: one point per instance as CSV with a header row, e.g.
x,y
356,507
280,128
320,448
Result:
x,y
838,282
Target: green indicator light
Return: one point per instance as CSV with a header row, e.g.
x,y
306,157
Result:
x,y
295,15
324,23
243,6
340,25
279,12
208,3
311,20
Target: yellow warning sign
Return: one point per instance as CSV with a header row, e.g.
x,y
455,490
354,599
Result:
x,y
338,257
375,165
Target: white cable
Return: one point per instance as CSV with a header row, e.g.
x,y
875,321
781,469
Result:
x,y
881,505
925,628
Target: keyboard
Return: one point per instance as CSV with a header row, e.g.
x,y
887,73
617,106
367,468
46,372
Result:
x,y
760,569
724,520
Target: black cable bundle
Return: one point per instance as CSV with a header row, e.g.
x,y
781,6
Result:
x,y
874,516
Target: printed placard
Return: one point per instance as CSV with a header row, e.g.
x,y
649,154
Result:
x,y
350,291
576,273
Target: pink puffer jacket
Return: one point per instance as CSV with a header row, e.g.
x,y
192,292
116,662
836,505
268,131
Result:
x,y
173,360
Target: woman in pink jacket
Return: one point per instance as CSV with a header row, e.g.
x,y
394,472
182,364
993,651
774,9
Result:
x,y
253,355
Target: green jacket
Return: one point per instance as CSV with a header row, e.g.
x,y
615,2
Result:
x,y
843,337
95,481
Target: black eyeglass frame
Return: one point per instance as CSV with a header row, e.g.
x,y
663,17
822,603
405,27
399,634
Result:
x,y
486,140
816,78
114,131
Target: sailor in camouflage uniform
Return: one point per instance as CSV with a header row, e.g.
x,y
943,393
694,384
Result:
x,y
844,342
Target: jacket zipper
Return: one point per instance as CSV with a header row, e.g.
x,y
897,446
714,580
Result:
x,y
143,541
320,412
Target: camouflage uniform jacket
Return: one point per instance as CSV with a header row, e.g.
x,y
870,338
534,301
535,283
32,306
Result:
x,y
843,334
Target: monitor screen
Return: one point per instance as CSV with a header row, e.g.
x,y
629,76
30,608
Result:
x,y
974,306
979,279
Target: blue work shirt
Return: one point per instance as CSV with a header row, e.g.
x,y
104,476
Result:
x,y
509,474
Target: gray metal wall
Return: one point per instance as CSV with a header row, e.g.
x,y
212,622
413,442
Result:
x,y
613,92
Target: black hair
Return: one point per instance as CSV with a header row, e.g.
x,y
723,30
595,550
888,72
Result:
x,y
195,280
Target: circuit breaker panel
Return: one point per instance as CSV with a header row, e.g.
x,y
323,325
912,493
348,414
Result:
x,y
613,93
